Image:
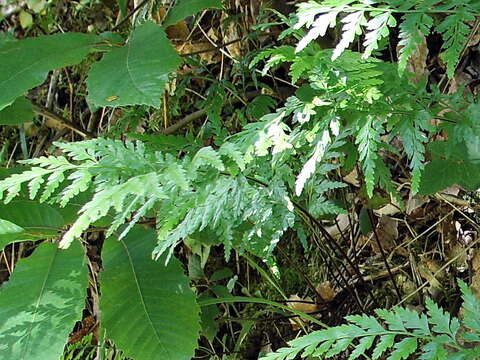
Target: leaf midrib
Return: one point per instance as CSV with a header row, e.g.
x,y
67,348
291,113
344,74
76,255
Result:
x,y
144,305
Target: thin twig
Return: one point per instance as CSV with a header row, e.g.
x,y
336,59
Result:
x,y
42,110
199,113
129,15
384,256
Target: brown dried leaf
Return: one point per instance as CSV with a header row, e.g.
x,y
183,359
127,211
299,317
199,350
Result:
x,y
343,223
415,202
202,47
326,291
295,302
461,79
417,63
352,178
387,232
429,270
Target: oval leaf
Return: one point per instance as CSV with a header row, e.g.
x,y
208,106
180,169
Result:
x,y
148,308
26,63
135,73
41,302
39,221
9,232
185,8
17,113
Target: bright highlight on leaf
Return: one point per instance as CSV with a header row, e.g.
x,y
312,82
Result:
x,y
46,291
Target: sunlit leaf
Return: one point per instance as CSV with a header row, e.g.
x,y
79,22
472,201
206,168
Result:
x,y
41,302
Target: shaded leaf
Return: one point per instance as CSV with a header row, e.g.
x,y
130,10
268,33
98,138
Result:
x,y
38,221
9,232
185,8
148,308
26,63
18,112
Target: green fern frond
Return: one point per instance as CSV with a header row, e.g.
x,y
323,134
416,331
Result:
x,y
414,144
412,30
455,32
377,29
275,56
402,331
367,139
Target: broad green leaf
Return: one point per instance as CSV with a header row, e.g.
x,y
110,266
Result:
x,y
122,4
147,307
41,302
440,174
17,113
39,221
185,8
135,73
26,63
9,232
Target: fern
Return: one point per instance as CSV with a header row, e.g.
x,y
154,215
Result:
x,y
190,195
374,19
413,27
368,139
377,29
455,31
414,143
399,331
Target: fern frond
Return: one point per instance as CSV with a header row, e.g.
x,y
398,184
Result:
x,y
275,56
367,139
471,306
318,28
309,167
124,198
455,32
377,29
402,331
413,29
414,144
352,27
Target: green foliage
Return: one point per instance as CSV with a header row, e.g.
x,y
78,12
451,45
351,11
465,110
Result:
x,y
450,165
45,292
400,332
24,220
455,32
374,20
135,73
185,8
26,63
156,295
242,191
412,28
188,195
20,111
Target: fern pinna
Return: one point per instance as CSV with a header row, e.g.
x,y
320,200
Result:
x,y
375,19
128,181
396,334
